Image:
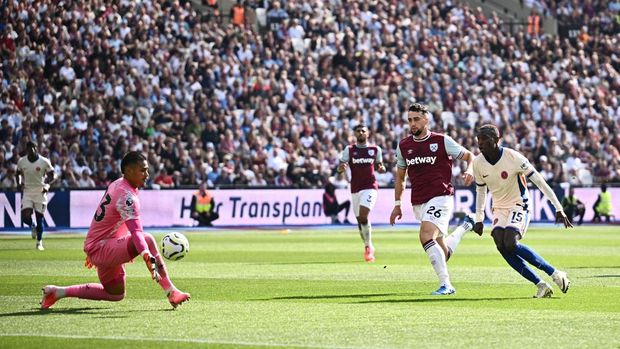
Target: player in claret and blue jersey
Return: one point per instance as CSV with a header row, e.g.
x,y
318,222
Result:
x,y
504,172
363,159
426,157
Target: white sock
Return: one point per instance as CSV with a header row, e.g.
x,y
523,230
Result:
x,y
454,239
438,261
366,234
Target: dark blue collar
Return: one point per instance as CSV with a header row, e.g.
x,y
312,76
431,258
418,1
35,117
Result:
x,y
501,152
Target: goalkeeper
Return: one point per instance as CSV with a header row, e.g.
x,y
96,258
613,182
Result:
x,y
114,238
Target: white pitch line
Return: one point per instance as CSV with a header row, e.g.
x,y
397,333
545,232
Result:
x,y
180,340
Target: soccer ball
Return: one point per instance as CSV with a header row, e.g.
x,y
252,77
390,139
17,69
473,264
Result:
x,y
174,246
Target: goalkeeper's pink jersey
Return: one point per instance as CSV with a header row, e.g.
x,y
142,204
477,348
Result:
x,y
119,204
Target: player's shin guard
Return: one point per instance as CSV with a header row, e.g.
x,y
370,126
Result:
x,y
438,261
534,259
517,263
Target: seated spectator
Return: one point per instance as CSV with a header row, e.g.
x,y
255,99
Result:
x,y
331,207
85,181
203,207
9,182
163,179
573,207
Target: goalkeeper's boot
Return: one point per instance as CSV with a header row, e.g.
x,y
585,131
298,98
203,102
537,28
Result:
x,y
544,290
49,297
177,297
369,254
561,279
444,290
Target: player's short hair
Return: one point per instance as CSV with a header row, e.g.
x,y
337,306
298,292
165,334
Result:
x,y
418,108
31,144
358,126
489,131
133,157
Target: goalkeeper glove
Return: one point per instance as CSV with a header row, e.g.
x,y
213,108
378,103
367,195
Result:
x,y
151,265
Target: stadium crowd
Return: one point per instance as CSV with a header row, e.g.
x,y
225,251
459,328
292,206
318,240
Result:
x,y
235,105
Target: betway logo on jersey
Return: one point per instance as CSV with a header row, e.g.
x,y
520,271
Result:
x,y
363,161
422,160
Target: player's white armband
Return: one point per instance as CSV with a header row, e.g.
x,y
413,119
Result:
x,y
481,197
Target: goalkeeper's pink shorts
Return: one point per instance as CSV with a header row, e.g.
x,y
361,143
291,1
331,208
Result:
x,y
109,258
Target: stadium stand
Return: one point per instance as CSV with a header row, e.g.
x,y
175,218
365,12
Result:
x,y
275,104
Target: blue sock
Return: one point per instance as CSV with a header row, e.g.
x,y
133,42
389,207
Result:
x,y
517,263
39,228
534,259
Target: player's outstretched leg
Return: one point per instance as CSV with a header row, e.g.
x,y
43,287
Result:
x,y
559,277
454,239
92,291
175,296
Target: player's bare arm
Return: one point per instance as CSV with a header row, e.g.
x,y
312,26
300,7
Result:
x,y
399,187
468,175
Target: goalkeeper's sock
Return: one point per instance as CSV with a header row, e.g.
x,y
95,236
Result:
x,y
366,233
517,263
165,282
534,259
438,261
88,291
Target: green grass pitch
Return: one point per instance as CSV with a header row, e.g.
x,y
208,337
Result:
x,y
311,289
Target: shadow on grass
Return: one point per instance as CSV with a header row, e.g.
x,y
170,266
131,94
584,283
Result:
x,y
596,267
298,263
445,299
70,311
604,276
366,295
103,313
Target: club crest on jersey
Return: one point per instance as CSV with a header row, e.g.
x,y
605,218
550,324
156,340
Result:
x,y
504,174
434,147
354,153
38,169
371,152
